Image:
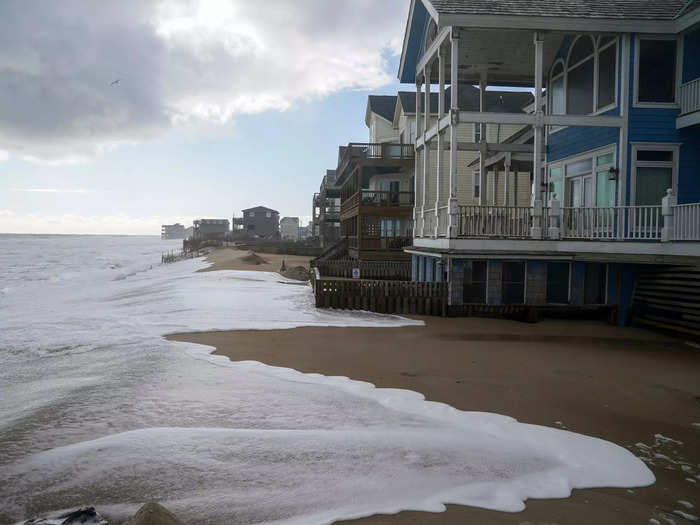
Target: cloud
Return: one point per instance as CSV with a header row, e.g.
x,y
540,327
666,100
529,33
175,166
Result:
x,y
181,62
50,190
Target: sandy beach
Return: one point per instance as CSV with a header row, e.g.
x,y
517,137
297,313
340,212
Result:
x,y
629,386
235,259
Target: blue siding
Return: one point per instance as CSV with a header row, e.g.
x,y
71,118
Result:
x,y
572,141
414,47
653,125
414,267
691,52
429,261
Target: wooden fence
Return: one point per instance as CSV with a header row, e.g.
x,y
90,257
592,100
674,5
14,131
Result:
x,y
386,270
389,297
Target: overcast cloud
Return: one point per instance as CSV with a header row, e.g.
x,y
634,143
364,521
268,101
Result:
x,y
179,63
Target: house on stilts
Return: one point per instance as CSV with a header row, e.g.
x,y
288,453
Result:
x,y
610,146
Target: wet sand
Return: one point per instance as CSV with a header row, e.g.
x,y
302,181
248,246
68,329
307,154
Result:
x,y
232,259
623,385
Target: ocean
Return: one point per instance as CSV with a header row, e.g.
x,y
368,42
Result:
x,y
97,408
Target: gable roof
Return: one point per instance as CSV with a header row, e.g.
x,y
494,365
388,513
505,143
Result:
x,y
382,105
261,208
618,9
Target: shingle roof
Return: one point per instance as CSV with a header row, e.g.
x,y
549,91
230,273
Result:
x,y
383,105
615,9
261,208
498,101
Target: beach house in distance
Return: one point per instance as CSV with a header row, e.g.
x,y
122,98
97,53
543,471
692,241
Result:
x,y
612,142
261,222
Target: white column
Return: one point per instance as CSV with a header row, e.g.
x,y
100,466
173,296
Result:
x,y
417,166
483,199
536,230
440,114
426,144
454,119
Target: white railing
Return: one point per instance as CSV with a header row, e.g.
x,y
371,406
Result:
x,y
615,223
429,222
443,219
686,222
690,96
493,221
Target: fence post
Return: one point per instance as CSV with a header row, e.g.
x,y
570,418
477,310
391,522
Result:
x,y
667,204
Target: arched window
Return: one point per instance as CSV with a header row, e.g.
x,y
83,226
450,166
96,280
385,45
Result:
x,y
579,85
558,99
587,81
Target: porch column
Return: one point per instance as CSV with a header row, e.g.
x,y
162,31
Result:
x,y
426,144
483,179
417,232
536,230
440,114
454,120
506,172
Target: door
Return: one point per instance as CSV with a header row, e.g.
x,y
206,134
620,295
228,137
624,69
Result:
x,y
394,187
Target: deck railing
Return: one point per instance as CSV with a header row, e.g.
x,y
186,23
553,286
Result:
x,y
429,222
666,222
613,223
378,151
686,222
690,96
493,221
386,198
443,219
380,243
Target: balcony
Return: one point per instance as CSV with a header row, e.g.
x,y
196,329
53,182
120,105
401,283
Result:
x,y
375,244
379,152
379,200
614,223
690,104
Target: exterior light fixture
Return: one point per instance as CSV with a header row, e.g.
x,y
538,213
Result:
x,y
612,173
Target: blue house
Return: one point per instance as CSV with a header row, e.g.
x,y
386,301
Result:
x,y
612,145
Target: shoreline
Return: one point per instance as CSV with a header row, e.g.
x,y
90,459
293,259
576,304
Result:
x,y
233,259
621,385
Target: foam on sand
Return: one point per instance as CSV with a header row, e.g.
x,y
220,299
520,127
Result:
x,y
127,416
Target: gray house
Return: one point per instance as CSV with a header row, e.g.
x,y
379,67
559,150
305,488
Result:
x,y
210,229
261,222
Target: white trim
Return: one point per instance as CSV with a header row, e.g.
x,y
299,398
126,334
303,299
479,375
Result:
x,y
624,113
554,23
673,147
678,70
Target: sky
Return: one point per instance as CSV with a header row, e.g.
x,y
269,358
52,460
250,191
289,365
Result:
x,y
117,117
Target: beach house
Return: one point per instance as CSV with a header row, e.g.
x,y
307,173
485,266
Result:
x,y
261,222
326,211
376,188
289,228
210,229
611,144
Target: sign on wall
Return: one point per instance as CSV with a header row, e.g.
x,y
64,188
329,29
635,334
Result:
x,y
355,273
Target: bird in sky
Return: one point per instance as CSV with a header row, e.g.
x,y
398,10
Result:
x,y
115,82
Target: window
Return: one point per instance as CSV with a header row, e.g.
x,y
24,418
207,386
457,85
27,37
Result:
x,y
556,183
656,71
579,85
595,283
251,214
476,184
513,282
558,282
268,214
389,228
654,168
474,290
477,132
607,74
587,82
